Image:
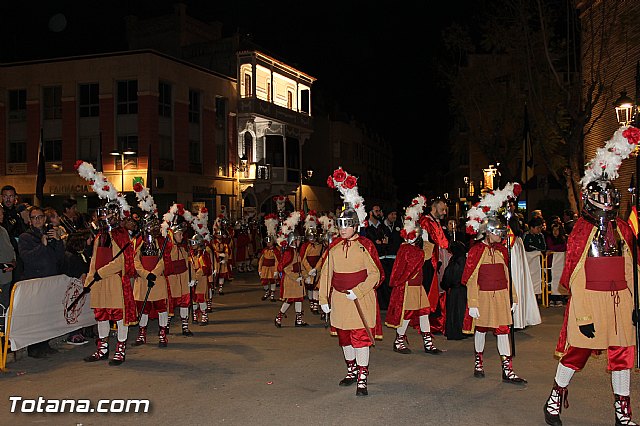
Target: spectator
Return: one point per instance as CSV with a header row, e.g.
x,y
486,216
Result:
x,y
75,264
42,252
71,218
13,223
55,222
391,229
7,257
453,233
374,231
534,239
516,221
556,241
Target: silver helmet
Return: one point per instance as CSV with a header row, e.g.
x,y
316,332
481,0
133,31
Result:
x,y
348,219
293,239
311,234
270,239
493,223
196,242
601,199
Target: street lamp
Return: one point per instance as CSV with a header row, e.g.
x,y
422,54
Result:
x,y
121,154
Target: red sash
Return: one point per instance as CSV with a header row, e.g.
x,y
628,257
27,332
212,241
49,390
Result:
x,y
313,260
417,280
605,273
103,256
343,281
491,277
149,262
179,266
269,262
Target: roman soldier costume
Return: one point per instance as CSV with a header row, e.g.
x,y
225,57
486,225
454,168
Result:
x,y
491,298
111,269
268,261
598,274
409,302
310,253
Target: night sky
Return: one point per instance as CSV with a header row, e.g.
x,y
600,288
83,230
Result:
x,y
375,61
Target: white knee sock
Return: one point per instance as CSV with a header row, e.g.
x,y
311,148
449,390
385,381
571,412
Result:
x,y
310,294
504,346
284,307
620,382
163,319
123,331
316,294
298,306
563,375
266,287
425,325
220,282
273,287
203,306
184,312
403,328
103,329
144,320
349,353
478,340
362,356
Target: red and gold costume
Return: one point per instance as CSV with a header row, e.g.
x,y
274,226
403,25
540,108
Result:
x,y
311,253
222,265
267,269
437,299
201,269
178,277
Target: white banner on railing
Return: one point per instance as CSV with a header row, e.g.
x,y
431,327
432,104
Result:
x,y
39,310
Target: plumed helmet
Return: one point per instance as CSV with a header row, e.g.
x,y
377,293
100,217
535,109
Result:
x,y
179,227
293,238
270,239
150,224
311,234
493,224
601,199
197,241
327,238
348,219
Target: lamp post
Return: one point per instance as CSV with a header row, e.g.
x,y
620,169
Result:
x,y
307,176
627,113
121,154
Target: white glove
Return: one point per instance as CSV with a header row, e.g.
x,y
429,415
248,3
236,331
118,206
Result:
x,y
474,313
276,274
325,308
222,255
214,272
223,261
313,272
351,295
193,283
307,280
513,307
299,279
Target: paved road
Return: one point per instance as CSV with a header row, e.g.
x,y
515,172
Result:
x,y
241,370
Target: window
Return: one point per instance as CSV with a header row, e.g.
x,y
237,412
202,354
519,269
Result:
x,y
194,106
194,151
88,148
53,150
221,136
127,97
166,152
304,101
289,99
220,159
17,152
164,99
247,85
293,153
89,105
18,105
275,150
52,103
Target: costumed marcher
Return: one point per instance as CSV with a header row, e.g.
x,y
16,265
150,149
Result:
x,y
598,273
329,232
221,259
268,261
490,296
202,264
289,266
434,234
243,240
310,253
350,274
409,303
111,269
181,274
152,259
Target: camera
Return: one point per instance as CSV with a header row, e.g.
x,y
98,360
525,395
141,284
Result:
x,y
48,227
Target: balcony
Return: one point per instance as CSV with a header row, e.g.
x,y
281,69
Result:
x,y
277,113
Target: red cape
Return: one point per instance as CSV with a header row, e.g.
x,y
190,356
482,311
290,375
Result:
x,y
408,263
475,253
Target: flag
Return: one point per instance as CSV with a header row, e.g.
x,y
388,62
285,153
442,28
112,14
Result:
x,y
633,220
527,152
42,172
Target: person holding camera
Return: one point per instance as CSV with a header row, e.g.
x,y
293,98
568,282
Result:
x,y
42,252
